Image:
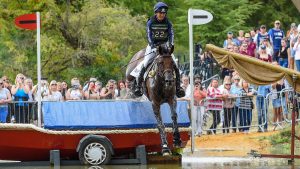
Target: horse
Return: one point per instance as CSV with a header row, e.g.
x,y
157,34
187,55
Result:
x,y
159,88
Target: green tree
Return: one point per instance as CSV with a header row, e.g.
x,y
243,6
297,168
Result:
x,y
79,38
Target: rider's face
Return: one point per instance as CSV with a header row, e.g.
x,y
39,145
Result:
x,y
160,16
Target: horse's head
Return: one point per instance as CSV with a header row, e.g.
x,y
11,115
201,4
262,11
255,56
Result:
x,y
165,65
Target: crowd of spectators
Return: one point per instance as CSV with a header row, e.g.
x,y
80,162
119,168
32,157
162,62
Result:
x,y
270,46
233,101
22,92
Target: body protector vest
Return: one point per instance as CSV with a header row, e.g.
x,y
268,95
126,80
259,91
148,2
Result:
x,y
159,30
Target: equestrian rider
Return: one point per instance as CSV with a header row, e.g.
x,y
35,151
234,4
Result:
x,y
159,30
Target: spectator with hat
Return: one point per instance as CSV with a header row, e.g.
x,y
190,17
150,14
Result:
x,y
230,40
262,34
250,45
276,34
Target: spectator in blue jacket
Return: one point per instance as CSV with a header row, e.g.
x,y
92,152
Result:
x,y
276,34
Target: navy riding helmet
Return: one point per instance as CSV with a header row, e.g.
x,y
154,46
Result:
x,y
161,7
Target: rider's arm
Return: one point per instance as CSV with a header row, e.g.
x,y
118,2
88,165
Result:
x,y
149,33
171,33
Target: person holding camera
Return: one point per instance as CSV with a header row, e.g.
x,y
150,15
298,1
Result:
x,y
91,92
108,92
20,92
53,94
75,92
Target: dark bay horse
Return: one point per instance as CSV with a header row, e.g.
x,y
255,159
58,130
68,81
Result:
x,y
160,88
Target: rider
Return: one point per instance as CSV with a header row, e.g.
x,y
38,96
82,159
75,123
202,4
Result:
x,y
159,30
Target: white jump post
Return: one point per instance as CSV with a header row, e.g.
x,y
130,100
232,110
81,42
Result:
x,y
38,42
195,17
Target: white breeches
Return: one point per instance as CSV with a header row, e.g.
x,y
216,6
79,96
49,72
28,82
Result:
x,y
149,55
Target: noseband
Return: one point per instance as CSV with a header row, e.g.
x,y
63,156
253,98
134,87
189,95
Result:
x,y
163,73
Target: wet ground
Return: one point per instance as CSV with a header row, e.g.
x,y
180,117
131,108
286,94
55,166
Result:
x,y
189,161
212,152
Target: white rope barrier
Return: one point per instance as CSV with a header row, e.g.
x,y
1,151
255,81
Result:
x,y
31,127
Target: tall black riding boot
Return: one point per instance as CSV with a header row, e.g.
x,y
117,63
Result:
x,y
179,90
139,88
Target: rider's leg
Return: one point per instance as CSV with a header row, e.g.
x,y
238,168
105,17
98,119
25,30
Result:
x,y
179,90
149,54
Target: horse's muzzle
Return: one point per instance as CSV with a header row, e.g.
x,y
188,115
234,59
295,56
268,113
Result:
x,y
169,79
169,82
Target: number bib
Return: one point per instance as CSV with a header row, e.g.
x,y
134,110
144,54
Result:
x,y
159,32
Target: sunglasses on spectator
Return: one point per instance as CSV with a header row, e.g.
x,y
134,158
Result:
x,y
277,23
228,84
53,84
263,27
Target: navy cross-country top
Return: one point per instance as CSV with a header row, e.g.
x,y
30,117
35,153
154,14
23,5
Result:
x,y
159,31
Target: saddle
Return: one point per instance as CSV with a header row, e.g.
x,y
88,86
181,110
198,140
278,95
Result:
x,y
149,71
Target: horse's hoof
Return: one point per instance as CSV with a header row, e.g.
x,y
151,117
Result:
x,y
165,150
166,154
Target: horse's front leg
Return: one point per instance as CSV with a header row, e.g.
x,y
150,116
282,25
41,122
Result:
x,y
161,128
176,134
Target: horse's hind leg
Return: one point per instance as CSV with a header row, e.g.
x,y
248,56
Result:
x,y
161,128
176,134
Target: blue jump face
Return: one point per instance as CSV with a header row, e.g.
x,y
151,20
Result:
x,y
108,114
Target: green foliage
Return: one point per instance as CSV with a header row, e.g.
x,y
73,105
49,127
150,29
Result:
x,y
79,38
282,10
86,38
